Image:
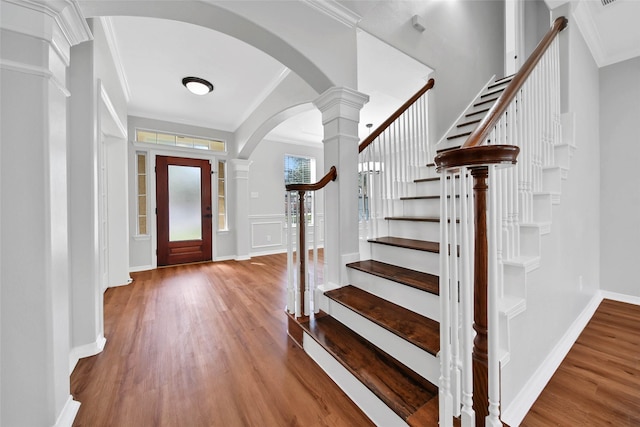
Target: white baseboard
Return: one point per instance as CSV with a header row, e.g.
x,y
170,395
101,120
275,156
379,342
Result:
x,y
520,406
630,299
68,414
86,350
242,258
140,268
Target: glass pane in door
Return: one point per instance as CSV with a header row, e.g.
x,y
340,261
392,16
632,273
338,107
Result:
x,y
185,205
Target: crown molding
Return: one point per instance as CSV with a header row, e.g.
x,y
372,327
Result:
x,y
112,43
336,11
66,14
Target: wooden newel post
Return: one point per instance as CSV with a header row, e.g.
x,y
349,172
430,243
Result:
x,y
480,287
302,249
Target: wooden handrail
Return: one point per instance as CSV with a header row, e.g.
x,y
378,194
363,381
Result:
x,y
330,176
376,133
489,121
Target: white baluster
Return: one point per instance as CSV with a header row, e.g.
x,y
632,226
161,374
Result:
x,y
467,414
452,250
444,390
290,266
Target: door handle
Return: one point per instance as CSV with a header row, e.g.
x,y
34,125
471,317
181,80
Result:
x,y
207,216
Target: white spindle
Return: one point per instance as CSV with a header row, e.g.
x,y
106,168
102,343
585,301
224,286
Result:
x,y
444,389
467,414
290,265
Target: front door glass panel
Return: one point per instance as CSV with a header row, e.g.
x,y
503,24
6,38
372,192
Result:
x,y
185,203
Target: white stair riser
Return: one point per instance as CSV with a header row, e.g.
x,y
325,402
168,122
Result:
x,y
368,402
418,230
416,300
421,207
416,359
426,262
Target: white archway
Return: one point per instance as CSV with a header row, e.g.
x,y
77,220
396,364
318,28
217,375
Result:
x,y
219,19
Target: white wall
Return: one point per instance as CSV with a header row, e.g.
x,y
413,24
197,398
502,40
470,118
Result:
x,y
620,207
569,273
266,187
463,42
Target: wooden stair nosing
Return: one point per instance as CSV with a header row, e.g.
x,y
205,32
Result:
x,y
414,328
419,245
399,387
413,218
416,279
419,197
493,92
485,102
471,122
501,81
416,218
460,135
437,178
477,112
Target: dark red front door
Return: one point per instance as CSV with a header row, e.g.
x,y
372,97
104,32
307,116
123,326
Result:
x,y
183,199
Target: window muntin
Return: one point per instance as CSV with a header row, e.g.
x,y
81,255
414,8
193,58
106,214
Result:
x,y
141,192
175,140
299,170
222,196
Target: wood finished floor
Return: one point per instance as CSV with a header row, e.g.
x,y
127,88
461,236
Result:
x,y
598,383
205,345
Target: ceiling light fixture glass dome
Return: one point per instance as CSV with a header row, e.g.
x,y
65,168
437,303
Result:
x,y
197,85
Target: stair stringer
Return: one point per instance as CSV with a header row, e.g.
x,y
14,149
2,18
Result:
x,y
515,270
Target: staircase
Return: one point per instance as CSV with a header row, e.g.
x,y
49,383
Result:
x,y
390,335
382,329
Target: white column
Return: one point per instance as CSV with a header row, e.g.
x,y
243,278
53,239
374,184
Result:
x,y
240,174
87,330
340,109
34,259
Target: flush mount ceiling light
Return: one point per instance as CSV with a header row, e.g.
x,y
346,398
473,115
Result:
x,y
197,85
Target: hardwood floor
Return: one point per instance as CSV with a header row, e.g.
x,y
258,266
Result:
x,y
205,345
598,383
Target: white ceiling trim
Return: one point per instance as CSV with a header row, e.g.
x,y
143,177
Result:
x,y
336,11
590,32
112,43
262,96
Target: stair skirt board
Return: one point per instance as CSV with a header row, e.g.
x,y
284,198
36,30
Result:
x,y
416,359
416,300
425,262
368,402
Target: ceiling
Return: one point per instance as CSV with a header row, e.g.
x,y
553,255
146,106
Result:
x,y
153,56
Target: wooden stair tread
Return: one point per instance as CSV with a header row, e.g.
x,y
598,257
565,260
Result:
x,y
487,101
413,218
502,81
419,197
420,245
493,92
426,416
400,388
437,178
416,279
470,122
416,329
475,113
460,135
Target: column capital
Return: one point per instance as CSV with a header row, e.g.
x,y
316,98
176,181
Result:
x,y
66,14
340,102
240,165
